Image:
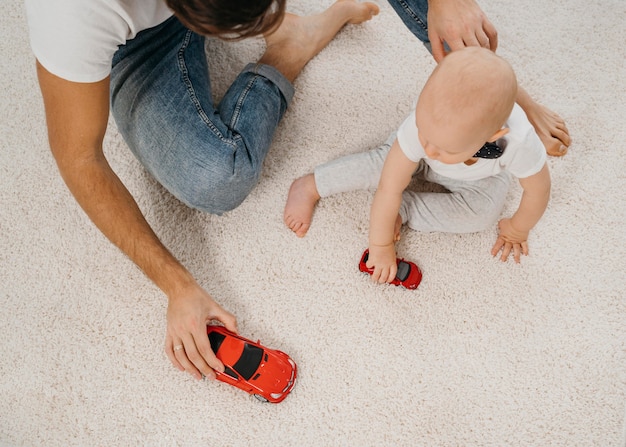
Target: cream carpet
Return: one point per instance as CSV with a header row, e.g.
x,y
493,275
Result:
x,y
484,353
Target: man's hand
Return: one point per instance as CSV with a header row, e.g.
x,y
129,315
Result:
x,y
509,240
459,23
77,116
383,259
186,343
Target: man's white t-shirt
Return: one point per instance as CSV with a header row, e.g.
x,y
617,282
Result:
x,y
524,153
76,39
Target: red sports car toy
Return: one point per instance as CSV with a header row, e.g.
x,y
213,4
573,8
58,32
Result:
x,y
267,374
408,275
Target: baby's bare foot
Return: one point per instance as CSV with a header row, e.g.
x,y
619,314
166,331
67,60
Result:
x,y
301,201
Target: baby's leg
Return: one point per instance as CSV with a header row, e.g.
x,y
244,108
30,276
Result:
x,y
468,206
344,174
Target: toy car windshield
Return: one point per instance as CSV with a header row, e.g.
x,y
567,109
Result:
x,y
249,361
403,271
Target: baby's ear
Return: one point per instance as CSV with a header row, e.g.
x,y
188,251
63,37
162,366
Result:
x,y
499,134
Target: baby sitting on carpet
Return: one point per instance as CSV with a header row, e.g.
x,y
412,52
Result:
x,y
468,100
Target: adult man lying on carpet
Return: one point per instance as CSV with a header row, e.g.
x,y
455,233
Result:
x,y
157,85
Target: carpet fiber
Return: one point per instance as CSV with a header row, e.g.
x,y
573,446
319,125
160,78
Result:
x,y
484,353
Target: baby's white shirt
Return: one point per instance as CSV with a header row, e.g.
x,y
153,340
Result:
x,y
524,153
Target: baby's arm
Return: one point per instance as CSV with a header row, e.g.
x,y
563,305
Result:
x,y
395,177
514,231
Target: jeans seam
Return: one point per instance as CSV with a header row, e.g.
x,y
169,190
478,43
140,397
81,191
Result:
x,y
414,16
240,100
192,93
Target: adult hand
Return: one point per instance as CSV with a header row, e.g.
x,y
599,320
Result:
x,y
186,343
459,23
383,259
510,240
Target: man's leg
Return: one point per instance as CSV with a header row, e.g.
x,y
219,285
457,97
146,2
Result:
x,y
211,157
414,15
161,101
299,39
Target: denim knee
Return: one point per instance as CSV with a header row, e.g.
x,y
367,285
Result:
x,y
214,192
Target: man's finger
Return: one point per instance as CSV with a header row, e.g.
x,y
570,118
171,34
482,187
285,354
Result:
x,y
169,351
184,353
437,48
207,354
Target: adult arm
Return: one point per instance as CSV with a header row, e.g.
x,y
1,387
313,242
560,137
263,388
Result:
x,y
513,232
77,116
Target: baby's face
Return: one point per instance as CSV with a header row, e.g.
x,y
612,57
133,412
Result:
x,y
434,152
448,143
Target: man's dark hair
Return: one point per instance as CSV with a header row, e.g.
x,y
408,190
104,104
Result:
x,y
231,19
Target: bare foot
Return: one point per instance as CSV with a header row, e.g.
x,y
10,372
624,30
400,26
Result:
x,y
551,130
301,201
549,126
298,39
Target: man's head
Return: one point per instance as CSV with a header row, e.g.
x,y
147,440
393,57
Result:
x,y
229,18
465,103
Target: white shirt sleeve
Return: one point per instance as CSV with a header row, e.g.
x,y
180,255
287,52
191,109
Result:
x,y
76,39
527,154
408,139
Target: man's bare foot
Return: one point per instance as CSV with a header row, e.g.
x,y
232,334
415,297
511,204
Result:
x,y
301,201
298,39
549,126
551,130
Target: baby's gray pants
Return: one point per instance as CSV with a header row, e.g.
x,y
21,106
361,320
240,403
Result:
x,y
466,207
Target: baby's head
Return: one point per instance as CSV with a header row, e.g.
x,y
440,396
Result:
x,y
465,102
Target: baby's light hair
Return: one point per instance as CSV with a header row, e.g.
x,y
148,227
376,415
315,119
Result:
x,y
471,88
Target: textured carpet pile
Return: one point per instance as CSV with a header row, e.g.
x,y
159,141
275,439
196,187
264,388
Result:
x,y
484,353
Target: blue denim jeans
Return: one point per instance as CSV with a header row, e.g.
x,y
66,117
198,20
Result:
x,y
414,15
208,156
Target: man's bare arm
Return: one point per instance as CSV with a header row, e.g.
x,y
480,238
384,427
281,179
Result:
x,y
77,116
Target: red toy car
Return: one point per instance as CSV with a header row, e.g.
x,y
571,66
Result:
x,y
267,374
408,275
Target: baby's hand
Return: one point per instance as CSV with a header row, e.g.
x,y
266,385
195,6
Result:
x,y
510,239
383,259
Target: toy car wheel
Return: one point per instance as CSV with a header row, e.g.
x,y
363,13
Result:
x,y
260,398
